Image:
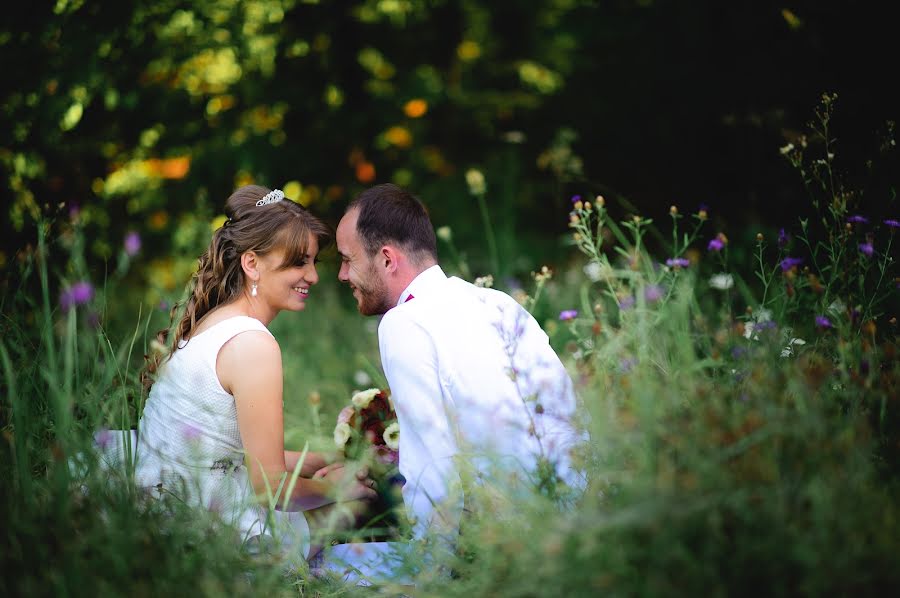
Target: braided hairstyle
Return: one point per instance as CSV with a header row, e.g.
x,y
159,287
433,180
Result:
x,y
219,279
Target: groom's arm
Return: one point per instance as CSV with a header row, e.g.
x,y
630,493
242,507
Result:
x,y
428,443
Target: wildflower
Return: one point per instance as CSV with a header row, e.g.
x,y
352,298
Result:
x,y
600,201
823,322
702,212
789,349
392,436
627,364
759,237
485,282
103,438
678,262
789,263
314,398
576,199
132,243
444,234
363,398
893,223
653,293
475,181
673,210
568,314
783,238
362,378
626,302
593,270
867,249
342,433
722,281
857,219
715,245
78,294
785,150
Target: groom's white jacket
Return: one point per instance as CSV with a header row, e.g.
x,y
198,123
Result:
x,y
470,373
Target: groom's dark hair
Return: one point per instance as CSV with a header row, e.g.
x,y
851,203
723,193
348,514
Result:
x,y
390,214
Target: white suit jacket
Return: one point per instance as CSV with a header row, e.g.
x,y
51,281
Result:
x,y
472,375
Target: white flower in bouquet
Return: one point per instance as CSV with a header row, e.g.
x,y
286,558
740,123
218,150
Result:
x,y
342,433
362,399
392,436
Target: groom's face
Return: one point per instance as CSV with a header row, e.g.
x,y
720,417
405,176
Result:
x,y
359,270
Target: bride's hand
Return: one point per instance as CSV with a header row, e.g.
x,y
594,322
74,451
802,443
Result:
x,y
362,488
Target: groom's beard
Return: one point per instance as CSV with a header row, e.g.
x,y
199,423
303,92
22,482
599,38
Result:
x,y
373,296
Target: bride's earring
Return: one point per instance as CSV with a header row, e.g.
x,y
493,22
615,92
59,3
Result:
x,y
253,290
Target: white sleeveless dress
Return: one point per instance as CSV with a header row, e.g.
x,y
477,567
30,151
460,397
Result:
x,y
189,443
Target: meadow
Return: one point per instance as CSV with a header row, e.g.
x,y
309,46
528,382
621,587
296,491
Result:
x,y
740,397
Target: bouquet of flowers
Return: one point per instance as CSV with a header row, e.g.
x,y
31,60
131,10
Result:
x,y
367,431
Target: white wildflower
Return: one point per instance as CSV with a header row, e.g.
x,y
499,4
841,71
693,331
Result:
x,y
342,433
594,271
484,282
392,436
363,398
362,378
789,349
722,281
786,149
444,234
475,181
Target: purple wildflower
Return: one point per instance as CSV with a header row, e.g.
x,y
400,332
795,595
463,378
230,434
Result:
x,y
715,245
102,438
678,261
653,293
626,303
703,208
78,294
132,243
867,249
823,322
856,218
789,263
576,198
568,314
163,305
627,364
783,238
893,223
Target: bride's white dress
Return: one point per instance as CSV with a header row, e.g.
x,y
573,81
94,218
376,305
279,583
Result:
x,y
189,443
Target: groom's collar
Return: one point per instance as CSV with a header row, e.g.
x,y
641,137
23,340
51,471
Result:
x,y
422,283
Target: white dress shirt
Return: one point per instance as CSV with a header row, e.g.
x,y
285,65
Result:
x,y
471,375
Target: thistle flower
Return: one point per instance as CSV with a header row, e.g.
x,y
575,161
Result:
x,y
867,249
678,262
132,243
892,223
715,245
653,293
626,303
823,322
77,294
568,314
789,263
857,219
783,239
444,234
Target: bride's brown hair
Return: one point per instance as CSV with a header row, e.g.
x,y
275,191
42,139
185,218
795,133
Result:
x,y
219,279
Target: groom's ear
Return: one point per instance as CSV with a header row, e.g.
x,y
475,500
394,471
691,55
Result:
x,y
389,258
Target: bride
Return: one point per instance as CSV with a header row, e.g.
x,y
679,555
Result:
x,y
212,429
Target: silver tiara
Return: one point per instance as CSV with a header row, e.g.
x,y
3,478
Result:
x,y
273,196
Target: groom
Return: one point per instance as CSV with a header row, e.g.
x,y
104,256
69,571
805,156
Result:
x,y
475,383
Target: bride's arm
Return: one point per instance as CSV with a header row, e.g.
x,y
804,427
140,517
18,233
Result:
x,y
249,368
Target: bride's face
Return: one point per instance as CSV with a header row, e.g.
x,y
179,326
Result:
x,y
287,288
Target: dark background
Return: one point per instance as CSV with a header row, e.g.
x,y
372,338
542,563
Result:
x,y
664,102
